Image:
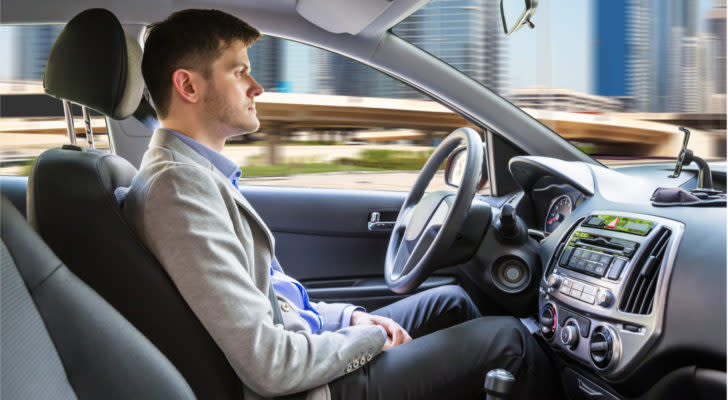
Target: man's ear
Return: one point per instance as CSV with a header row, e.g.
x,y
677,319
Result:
x,y
186,84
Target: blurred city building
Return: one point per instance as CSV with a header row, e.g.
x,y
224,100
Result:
x,y
652,55
717,29
466,34
542,98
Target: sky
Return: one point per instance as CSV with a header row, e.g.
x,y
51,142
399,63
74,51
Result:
x,y
556,53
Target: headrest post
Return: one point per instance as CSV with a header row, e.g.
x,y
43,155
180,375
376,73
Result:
x,y
87,125
69,122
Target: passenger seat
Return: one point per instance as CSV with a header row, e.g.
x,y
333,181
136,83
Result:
x,y
59,339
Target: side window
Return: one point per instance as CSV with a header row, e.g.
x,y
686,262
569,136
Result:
x,y
331,122
30,121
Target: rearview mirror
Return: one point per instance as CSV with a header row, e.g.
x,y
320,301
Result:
x,y
515,16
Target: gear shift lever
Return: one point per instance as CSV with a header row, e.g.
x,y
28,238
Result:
x,y
498,384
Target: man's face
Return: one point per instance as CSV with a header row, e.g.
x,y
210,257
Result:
x,y
230,96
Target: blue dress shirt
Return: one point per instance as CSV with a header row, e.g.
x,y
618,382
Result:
x,y
283,284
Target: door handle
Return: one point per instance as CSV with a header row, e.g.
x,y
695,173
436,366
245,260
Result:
x,y
375,225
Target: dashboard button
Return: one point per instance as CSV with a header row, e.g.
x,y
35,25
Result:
x,y
575,293
605,259
589,298
588,289
594,256
564,289
566,282
565,256
574,261
578,253
581,265
616,269
599,270
590,267
578,286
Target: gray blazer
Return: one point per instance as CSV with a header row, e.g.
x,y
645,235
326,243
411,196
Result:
x,y
218,252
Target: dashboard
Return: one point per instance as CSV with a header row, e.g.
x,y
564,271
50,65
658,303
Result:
x,y
631,296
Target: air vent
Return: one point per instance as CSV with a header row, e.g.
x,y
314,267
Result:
x,y
640,290
560,247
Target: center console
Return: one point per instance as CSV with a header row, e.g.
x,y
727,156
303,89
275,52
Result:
x,y
602,296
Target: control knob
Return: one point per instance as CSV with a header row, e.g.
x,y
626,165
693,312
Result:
x,y
603,345
553,281
547,320
604,297
570,334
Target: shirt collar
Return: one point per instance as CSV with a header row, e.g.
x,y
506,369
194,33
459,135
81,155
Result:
x,y
226,166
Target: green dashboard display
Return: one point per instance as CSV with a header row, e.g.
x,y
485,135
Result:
x,y
622,224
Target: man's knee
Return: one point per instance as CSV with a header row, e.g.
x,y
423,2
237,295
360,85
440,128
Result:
x,y
456,298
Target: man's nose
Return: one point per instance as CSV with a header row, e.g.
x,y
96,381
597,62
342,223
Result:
x,y
255,88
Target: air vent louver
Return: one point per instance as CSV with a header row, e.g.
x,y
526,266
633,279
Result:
x,y
640,290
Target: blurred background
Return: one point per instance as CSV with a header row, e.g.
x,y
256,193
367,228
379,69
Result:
x,y
615,77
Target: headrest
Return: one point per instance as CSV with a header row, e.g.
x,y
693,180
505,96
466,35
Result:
x,y
94,63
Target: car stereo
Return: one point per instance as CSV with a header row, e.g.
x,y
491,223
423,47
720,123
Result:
x,y
601,299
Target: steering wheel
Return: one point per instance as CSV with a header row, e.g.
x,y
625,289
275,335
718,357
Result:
x,y
427,225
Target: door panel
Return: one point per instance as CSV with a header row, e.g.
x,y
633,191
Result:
x,y
323,240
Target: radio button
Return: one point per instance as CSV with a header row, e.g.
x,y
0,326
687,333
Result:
x,y
590,267
566,282
605,259
566,255
581,265
600,269
588,289
565,289
575,293
589,298
578,286
574,261
616,269
594,256
578,253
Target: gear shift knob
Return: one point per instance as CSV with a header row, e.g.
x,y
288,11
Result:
x,y
498,384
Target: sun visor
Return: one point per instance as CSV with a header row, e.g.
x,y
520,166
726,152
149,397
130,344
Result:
x,y
342,16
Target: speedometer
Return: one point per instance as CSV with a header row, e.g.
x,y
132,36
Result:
x,y
560,209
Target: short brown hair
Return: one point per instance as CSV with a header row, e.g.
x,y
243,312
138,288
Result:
x,y
190,39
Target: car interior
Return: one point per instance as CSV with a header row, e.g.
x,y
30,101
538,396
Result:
x,y
618,277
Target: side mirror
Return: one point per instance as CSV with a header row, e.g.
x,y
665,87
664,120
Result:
x,y
514,16
455,169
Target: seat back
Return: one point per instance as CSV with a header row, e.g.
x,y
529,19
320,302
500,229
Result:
x,y
60,340
72,205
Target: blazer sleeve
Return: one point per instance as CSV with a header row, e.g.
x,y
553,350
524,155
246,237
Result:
x,y
188,226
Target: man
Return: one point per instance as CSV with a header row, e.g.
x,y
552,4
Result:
x,y
186,206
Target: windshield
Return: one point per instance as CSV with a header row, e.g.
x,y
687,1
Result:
x,y
617,78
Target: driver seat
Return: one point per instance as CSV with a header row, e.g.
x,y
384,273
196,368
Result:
x,y
72,205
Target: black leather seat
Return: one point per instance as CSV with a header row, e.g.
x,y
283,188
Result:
x,y
72,205
60,340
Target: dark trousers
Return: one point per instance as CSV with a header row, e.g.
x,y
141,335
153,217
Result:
x,y
452,350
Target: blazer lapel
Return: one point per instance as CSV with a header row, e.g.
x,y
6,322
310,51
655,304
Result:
x,y
248,209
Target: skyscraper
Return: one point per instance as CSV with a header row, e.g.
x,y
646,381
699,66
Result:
x,y
612,47
717,29
650,51
466,34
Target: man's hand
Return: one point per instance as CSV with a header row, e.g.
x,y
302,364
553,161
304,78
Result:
x,y
396,335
